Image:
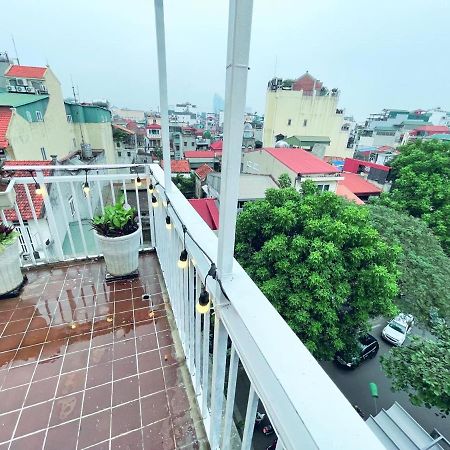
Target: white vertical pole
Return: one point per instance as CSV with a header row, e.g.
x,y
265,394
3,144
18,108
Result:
x,y
163,100
231,392
249,425
239,30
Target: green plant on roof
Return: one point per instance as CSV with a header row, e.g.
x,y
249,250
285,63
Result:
x,y
117,220
7,236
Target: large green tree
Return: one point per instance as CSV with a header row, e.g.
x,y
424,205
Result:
x,y
421,185
320,262
422,369
424,283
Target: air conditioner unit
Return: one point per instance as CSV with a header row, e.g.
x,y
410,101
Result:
x,y
20,89
11,88
43,88
30,89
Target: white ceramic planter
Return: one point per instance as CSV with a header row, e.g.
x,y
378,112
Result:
x,y
8,196
120,253
10,274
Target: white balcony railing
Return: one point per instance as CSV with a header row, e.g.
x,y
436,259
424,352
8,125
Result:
x,y
245,342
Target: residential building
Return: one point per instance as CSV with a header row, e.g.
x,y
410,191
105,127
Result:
x,y
200,157
299,164
251,187
200,179
375,172
184,113
183,141
154,135
40,123
378,155
305,108
125,142
136,115
425,131
248,137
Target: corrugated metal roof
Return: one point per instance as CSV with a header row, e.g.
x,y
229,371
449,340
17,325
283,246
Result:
x,y
301,161
208,211
14,100
178,166
358,185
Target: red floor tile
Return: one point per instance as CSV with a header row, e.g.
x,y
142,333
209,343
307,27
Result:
x,y
124,367
154,408
33,418
151,382
18,375
101,355
130,441
7,423
149,361
125,390
41,391
94,428
159,436
146,343
71,382
12,399
17,327
75,361
62,436
97,398
66,408
31,442
48,368
124,348
125,418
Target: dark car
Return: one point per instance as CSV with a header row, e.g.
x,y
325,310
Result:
x,y
368,347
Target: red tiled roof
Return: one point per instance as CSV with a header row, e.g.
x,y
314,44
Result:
x,y
5,117
154,126
358,185
26,72
21,196
300,161
202,154
178,166
208,211
217,145
344,191
202,171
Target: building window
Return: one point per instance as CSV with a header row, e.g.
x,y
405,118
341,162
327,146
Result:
x,y
177,147
29,118
69,118
185,143
305,122
289,122
39,116
117,144
72,206
128,153
323,187
119,154
44,155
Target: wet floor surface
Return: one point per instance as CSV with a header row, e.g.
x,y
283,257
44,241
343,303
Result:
x,y
89,364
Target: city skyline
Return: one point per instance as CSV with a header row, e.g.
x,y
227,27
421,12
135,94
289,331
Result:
x,y
377,58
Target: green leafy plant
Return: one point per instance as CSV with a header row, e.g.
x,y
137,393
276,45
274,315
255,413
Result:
x,y
116,220
284,181
7,236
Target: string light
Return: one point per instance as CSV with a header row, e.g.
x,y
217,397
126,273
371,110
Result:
x,y
86,188
168,223
182,261
151,188
204,302
39,190
138,181
154,201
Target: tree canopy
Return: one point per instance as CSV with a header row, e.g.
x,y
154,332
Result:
x,y
185,184
421,185
424,283
284,180
320,262
422,369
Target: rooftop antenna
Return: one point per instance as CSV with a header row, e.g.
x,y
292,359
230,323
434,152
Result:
x,y
73,89
15,49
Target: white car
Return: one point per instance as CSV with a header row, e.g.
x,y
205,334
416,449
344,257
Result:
x,y
397,329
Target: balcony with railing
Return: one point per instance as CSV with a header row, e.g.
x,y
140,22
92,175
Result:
x,y
134,362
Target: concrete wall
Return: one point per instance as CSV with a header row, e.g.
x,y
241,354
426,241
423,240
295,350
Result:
x,y
319,113
27,138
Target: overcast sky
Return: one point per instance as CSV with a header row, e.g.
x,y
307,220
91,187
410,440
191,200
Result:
x,y
384,53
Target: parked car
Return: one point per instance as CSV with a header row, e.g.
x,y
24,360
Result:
x,y
368,347
397,329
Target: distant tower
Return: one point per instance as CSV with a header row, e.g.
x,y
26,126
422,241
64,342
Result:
x,y
218,103
248,138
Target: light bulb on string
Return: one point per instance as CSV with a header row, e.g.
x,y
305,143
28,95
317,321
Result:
x,y
151,188
182,261
138,181
86,188
39,190
168,223
204,303
154,202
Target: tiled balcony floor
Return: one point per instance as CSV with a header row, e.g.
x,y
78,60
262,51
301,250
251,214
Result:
x,y
85,364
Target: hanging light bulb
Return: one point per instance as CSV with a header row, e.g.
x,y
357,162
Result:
x,y
182,262
39,190
86,188
168,223
204,303
154,202
151,188
138,181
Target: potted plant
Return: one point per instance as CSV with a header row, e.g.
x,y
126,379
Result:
x,y
118,235
11,278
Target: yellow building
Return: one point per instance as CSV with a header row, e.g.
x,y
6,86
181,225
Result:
x,y
307,112
37,122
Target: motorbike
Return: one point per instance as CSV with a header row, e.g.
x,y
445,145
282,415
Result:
x,y
268,430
